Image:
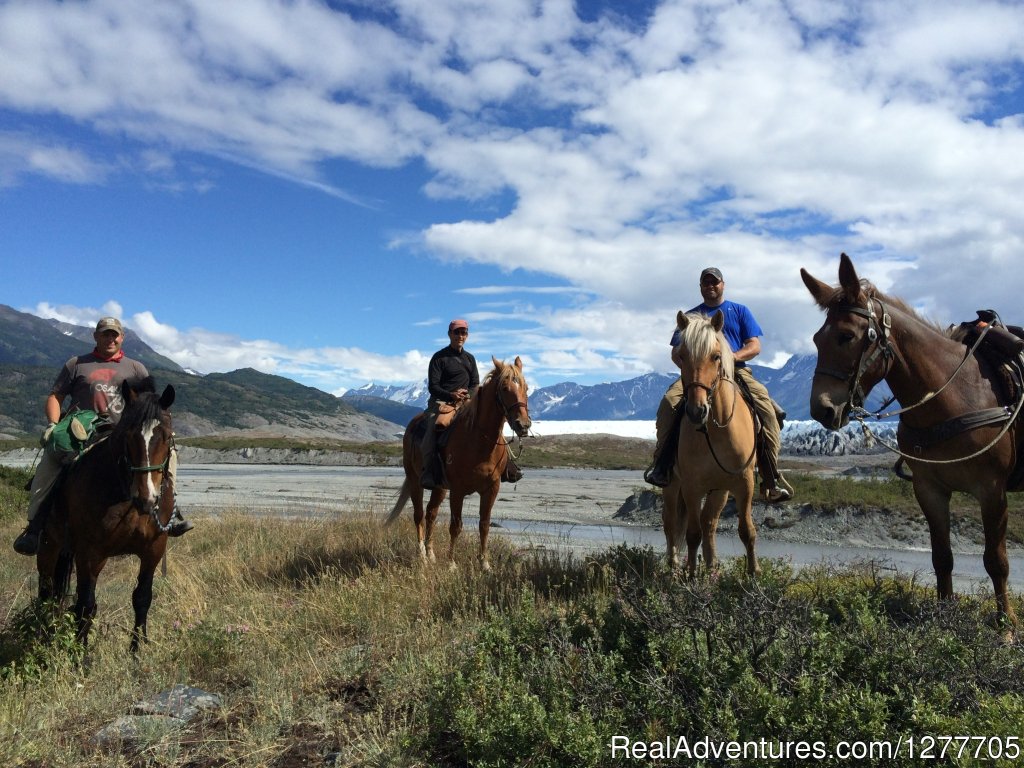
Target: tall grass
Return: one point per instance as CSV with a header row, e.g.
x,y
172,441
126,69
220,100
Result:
x,y
327,637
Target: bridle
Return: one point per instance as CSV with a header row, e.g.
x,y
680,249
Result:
x,y
509,410
126,462
877,344
711,391
878,336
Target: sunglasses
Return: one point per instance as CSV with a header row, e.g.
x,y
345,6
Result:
x,y
460,332
709,283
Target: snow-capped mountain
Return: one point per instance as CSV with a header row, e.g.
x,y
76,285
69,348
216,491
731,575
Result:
x,y
637,398
809,438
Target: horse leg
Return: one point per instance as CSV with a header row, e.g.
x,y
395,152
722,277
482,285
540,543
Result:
x,y
714,503
934,502
142,595
416,494
673,513
994,517
487,498
746,529
437,496
691,502
85,605
455,525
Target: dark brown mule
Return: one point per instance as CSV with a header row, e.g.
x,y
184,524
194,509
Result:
x,y
867,337
716,448
474,457
110,503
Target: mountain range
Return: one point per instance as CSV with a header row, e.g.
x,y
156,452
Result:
x,y
249,402
240,402
636,398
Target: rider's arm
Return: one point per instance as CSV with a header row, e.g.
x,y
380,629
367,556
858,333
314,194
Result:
x,y
52,408
751,348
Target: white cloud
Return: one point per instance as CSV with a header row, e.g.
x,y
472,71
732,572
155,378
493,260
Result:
x,y
757,136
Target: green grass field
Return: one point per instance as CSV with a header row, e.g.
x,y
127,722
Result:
x,y
328,638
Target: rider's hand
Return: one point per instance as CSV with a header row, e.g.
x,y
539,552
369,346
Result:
x,y
45,437
460,395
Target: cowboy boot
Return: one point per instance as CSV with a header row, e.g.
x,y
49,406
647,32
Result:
x,y
178,524
27,542
660,472
511,473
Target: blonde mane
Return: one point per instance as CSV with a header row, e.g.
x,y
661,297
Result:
x,y
500,374
699,339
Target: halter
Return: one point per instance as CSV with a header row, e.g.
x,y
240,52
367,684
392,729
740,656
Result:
x,y
132,470
876,341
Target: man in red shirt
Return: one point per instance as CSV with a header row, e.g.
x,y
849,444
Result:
x,y
93,383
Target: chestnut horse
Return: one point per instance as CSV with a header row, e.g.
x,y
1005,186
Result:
x,y
112,502
716,447
474,457
954,433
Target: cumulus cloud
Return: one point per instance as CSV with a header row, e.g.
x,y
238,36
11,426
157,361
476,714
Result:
x,y
629,149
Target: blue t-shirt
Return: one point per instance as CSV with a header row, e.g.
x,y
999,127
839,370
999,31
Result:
x,y
739,326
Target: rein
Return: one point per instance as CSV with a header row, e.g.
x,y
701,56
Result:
x,y
878,334
722,425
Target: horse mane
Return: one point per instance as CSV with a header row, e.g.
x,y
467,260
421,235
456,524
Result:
x,y
871,291
496,376
699,339
143,409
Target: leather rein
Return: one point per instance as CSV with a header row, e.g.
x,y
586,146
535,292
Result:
x,y
877,343
712,390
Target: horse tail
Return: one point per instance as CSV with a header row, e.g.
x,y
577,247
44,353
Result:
x,y
403,497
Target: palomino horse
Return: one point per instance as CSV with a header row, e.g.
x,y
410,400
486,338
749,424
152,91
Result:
x,y
112,502
954,432
474,457
716,447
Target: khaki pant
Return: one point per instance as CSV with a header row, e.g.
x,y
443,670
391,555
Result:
x,y
763,405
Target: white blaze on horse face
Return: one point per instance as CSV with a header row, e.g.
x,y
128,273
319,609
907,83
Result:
x,y
148,431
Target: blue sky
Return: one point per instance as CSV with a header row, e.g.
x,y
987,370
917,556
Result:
x,y
314,189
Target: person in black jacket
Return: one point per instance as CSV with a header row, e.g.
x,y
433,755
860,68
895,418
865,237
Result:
x,y
452,379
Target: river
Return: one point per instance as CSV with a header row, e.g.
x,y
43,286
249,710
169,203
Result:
x,y
557,510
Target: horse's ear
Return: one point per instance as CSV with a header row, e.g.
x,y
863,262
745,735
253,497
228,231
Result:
x,y
681,320
718,320
848,279
821,292
127,392
496,361
167,398
518,363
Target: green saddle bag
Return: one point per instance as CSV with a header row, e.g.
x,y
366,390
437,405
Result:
x,y
64,441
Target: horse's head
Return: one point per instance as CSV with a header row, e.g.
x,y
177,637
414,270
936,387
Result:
x,y
705,358
853,345
512,395
146,433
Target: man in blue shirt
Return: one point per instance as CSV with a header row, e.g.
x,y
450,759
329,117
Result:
x,y
743,334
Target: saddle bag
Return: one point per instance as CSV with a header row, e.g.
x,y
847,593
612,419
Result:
x,y
66,439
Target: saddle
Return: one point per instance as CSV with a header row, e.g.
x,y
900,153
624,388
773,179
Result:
x,y
1001,347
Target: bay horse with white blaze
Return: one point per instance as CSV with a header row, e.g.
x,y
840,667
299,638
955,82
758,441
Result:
x,y
716,448
113,501
957,431
474,456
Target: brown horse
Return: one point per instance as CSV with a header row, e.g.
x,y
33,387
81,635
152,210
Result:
x,y
474,457
112,502
716,448
955,433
